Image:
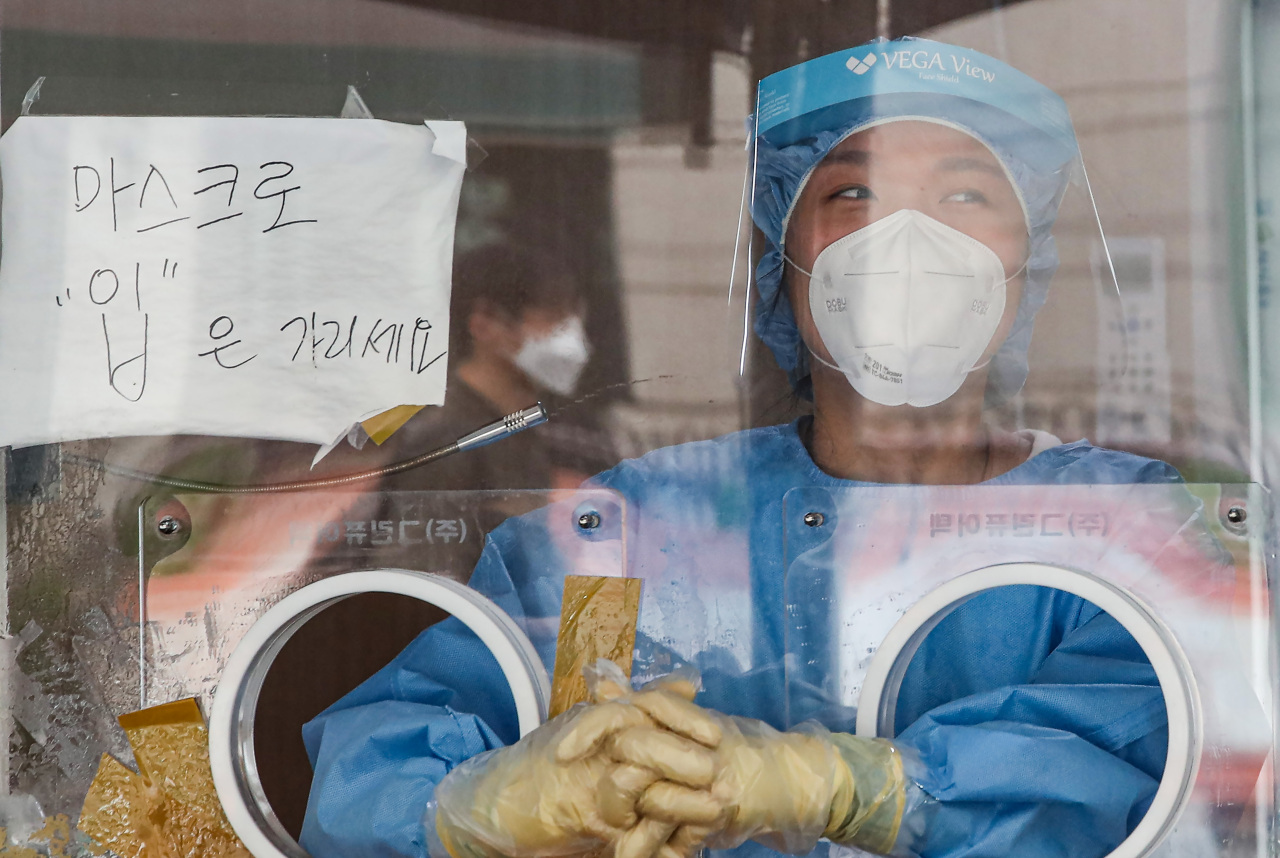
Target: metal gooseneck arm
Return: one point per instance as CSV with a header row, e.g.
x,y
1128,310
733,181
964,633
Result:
x,y
515,422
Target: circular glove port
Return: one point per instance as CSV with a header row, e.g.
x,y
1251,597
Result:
x,y
231,723
878,703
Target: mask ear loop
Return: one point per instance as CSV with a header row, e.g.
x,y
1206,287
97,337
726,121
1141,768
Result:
x,y
811,352
796,266
1021,268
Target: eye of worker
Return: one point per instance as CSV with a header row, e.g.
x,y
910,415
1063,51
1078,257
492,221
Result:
x,y
925,166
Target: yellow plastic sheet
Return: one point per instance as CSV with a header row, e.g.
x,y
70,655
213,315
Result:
x,y
169,808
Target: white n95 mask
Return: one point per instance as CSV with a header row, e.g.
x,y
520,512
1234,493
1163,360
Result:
x,y
556,361
906,306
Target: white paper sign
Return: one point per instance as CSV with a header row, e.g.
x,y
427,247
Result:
x,y
272,278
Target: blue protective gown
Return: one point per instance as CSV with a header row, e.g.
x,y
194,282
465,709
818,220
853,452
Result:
x,y
1051,744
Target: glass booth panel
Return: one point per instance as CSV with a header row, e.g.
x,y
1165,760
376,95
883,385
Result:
x,y
209,566
628,252
923,612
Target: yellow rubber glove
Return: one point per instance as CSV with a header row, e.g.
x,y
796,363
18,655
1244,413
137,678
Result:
x,y
785,790
670,756
537,797
548,794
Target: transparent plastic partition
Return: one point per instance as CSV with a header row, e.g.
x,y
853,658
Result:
x,y
873,572
244,554
208,566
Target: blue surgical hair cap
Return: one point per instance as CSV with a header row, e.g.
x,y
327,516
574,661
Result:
x,y
804,112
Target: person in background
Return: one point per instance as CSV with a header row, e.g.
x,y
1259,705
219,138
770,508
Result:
x,y
517,337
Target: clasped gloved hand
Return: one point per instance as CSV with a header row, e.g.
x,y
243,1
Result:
x,y
541,796
785,790
650,774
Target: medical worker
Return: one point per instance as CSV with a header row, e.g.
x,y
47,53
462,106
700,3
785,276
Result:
x,y
907,211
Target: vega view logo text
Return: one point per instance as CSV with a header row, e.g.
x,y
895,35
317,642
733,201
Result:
x,y
930,61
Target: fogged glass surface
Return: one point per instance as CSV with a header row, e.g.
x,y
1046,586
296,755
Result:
x,y
606,263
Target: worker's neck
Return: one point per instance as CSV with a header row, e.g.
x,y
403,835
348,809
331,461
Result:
x,y
945,444
498,380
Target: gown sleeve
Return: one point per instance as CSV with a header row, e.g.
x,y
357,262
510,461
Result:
x,y
1057,749
378,753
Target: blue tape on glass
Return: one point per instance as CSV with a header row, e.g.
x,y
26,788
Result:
x,y
906,77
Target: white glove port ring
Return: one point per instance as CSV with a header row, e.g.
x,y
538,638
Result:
x,y
877,704
231,748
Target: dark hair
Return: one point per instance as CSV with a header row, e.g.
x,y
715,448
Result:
x,y
508,279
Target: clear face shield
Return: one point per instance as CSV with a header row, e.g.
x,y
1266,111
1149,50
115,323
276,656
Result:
x,y
914,224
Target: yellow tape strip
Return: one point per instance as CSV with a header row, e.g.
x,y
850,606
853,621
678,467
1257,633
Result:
x,y
178,712
382,426
597,620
